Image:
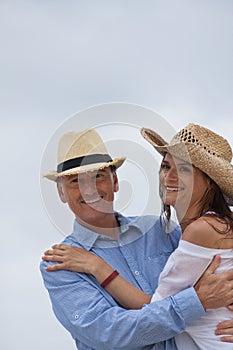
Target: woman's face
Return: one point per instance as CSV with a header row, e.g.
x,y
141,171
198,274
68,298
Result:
x,y
181,184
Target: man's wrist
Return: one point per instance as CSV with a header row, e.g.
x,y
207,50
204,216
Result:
x,y
200,297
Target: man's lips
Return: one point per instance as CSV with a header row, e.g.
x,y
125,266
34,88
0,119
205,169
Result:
x,y
92,201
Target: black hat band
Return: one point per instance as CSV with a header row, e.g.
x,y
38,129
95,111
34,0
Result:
x,y
85,160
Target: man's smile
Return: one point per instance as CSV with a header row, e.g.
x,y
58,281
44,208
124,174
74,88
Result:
x,y
92,201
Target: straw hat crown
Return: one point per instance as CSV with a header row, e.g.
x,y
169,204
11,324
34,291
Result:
x,y
203,148
204,138
79,144
81,152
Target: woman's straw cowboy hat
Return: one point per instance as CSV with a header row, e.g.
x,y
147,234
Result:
x,y
79,152
203,148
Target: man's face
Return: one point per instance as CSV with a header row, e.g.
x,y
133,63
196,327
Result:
x,y
90,195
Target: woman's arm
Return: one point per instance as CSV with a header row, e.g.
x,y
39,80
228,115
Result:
x,y
80,260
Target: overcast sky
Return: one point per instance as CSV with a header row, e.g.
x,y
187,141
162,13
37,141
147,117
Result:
x,y
60,58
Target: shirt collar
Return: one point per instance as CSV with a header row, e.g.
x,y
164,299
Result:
x,y
87,238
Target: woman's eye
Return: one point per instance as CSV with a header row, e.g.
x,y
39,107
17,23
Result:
x,y
165,166
185,169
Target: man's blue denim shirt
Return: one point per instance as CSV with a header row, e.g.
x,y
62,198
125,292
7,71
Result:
x,y
92,316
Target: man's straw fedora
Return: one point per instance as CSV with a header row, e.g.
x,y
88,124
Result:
x,y
203,148
80,152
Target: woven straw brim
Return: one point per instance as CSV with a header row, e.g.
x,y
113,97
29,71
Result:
x,y
54,175
215,167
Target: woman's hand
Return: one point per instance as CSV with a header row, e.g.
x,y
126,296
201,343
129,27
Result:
x,y
72,258
225,329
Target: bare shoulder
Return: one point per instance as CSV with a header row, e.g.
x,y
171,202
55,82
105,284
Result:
x,y
203,232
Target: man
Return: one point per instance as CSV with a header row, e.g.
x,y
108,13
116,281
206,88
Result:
x,y
136,247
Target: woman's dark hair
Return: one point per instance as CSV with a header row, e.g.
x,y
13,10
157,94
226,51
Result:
x,y
215,204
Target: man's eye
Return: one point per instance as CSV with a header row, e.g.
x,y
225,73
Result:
x,y
74,180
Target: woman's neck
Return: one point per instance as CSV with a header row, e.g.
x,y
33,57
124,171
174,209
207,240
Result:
x,y
186,218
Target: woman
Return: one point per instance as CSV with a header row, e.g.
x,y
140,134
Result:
x,y
196,179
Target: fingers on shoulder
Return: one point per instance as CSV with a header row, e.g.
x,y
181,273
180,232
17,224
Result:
x,y
60,246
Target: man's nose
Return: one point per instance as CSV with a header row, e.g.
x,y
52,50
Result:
x,y
88,187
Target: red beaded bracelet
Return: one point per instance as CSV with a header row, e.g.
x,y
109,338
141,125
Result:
x,y
111,277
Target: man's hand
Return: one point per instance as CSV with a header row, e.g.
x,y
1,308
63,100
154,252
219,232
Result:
x,y
215,290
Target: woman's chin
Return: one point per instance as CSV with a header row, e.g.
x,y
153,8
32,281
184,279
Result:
x,y
169,201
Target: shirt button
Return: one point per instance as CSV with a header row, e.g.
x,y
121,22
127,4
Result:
x,y
76,316
137,273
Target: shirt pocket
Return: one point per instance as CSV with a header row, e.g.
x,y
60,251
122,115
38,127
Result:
x,y
154,266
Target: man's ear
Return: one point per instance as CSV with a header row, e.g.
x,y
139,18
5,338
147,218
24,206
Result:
x,y
61,191
115,182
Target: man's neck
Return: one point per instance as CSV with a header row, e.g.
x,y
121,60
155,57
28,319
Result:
x,y
109,228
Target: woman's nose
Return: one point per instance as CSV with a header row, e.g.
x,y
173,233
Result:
x,y
172,174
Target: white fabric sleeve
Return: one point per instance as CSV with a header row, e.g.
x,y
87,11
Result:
x,y
183,269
